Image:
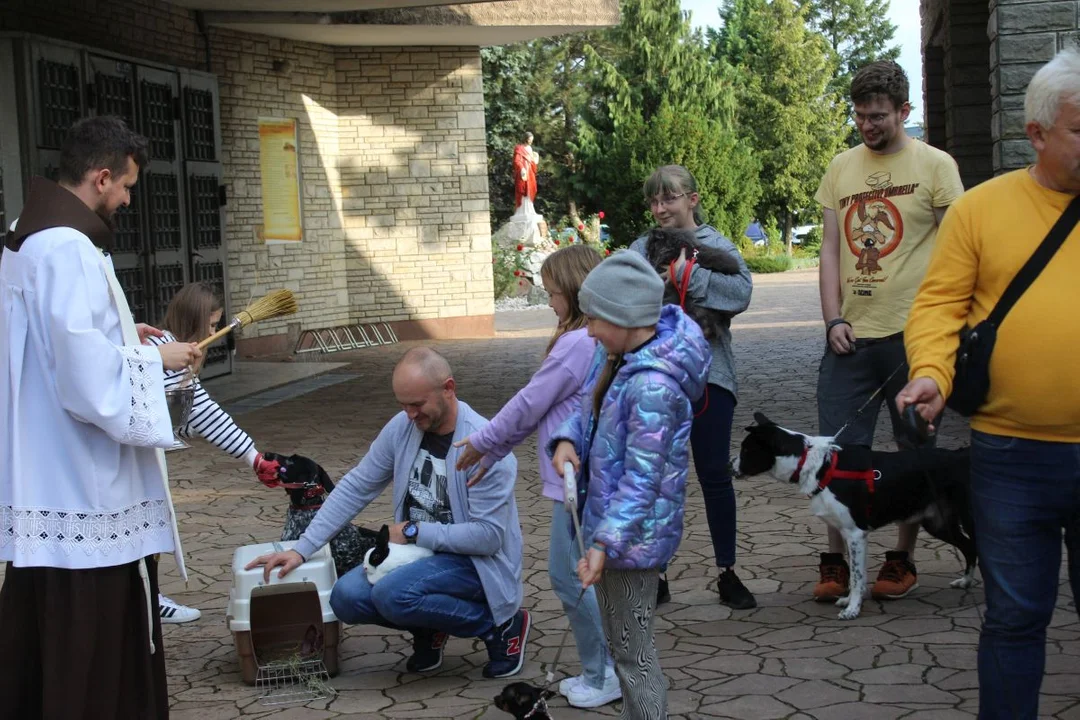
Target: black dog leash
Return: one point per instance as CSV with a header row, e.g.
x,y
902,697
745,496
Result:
x,y
870,399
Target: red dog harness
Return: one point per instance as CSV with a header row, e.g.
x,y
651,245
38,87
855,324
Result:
x,y
867,476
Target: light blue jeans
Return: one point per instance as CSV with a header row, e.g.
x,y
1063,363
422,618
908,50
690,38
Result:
x,y
584,616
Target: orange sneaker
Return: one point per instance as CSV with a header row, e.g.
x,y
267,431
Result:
x,y
897,577
835,578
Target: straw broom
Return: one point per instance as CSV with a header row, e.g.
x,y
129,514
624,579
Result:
x,y
274,304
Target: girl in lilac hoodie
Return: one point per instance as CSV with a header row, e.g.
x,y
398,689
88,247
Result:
x,y
548,400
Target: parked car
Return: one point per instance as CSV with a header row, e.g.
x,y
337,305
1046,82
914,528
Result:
x,y
800,232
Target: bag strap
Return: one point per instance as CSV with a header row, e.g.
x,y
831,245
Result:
x,y
1038,260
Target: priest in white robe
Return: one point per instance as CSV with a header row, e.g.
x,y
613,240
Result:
x,y
84,495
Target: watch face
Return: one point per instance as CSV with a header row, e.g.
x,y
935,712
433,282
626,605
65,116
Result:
x,y
409,530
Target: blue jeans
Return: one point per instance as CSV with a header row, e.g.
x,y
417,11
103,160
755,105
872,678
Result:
x,y
441,592
1024,494
710,443
584,615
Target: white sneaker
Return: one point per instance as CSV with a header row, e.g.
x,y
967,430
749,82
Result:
x,y
567,684
586,696
173,612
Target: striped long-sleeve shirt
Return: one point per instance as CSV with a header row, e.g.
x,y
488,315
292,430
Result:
x,y
207,418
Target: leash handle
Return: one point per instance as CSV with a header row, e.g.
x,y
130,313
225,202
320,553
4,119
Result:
x,y
570,502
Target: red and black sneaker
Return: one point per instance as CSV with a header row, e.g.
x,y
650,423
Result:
x,y
427,651
506,646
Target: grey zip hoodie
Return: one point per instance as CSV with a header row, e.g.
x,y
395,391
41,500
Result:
x,y
716,291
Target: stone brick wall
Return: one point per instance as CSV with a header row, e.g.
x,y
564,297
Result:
x,y
414,189
304,89
1024,35
393,164
957,83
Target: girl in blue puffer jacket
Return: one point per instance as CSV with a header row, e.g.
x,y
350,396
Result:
x,y
633,431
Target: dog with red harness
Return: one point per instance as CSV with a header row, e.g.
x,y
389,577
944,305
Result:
x,y
856,490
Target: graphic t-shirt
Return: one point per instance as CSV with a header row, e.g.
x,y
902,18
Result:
x,y
884,206
428,499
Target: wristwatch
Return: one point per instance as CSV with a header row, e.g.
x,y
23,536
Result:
x,y
410,531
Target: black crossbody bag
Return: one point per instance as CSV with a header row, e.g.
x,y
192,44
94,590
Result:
x,y
972,381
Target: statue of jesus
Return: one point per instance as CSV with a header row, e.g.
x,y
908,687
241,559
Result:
x,y
525,161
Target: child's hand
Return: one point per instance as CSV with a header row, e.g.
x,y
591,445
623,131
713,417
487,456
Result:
x,y
469,456
565,453
591,567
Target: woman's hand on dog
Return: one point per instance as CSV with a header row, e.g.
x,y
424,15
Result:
x,y
287,561
842,339
565,453
591,567
924,394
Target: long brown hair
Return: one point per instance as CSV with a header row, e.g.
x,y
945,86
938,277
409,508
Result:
x,y
188,315
564,271
607,376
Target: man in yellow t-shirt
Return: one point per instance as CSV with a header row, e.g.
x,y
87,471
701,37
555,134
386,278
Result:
x,y
882,202
1025,439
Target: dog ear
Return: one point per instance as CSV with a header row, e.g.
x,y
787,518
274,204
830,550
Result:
x,y
324,480
384,535
761,420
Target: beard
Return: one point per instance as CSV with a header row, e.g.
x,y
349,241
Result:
x,y
109,218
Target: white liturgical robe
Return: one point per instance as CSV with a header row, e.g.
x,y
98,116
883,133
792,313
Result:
x,y
82,414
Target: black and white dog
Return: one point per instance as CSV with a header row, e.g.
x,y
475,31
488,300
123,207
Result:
x,y
307,486
856,490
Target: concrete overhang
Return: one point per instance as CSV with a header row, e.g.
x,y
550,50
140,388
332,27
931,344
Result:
x,y
403,22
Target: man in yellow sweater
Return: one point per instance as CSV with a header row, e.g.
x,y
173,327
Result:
x,y
1025,445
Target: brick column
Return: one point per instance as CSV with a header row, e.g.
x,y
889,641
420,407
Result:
x,y
956,84
1024,35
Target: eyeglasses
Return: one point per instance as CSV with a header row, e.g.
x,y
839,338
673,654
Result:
x,y
875,119
666,201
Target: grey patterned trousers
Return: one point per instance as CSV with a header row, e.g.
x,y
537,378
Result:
x,y
628,606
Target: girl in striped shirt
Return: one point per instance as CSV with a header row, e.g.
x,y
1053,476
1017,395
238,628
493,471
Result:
x,y
193,315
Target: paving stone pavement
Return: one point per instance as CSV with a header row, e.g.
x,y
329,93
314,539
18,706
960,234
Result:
x,y
788,658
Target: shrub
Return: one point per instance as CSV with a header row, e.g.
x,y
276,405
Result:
x,y
811,244
768,263
507,266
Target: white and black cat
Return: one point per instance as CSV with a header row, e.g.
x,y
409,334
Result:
x,y
386,556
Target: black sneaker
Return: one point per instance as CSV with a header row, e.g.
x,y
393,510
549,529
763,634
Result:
x,y
506,646
733,593
427,651
663,594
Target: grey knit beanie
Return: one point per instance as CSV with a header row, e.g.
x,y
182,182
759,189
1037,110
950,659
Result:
x,y
624,290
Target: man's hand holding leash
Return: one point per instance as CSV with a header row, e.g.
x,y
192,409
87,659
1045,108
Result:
x,y
924,394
